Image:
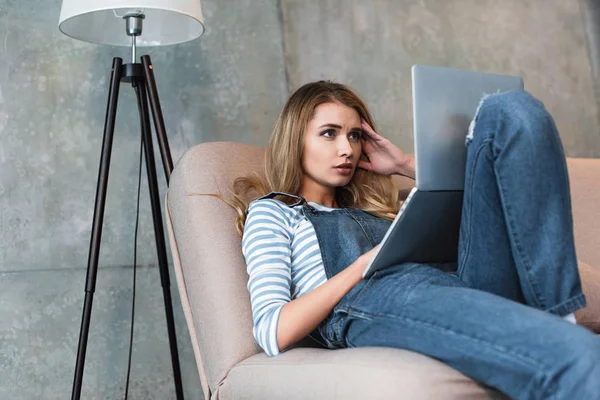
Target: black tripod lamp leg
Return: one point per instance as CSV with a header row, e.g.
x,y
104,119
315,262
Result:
x,y
159,123
92,267
159,234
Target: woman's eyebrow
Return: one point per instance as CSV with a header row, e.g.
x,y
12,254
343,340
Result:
x,y
339,127
330,126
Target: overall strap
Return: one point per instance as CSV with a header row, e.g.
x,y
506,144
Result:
x,y
300,200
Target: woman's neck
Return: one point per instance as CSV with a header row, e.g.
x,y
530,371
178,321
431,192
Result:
x,y
325,199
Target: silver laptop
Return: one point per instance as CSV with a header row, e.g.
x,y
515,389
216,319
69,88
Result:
x,y
426,229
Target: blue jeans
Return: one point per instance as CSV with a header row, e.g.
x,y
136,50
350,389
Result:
x,y
495,314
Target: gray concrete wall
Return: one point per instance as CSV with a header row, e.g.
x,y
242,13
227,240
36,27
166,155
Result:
x,y
228,85
372,45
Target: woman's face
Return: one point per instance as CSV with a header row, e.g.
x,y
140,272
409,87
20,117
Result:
x,y
332,138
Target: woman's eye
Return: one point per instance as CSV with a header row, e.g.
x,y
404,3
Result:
x,y
331,133
356,135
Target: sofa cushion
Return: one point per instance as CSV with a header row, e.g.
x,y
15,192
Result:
x,y
358,373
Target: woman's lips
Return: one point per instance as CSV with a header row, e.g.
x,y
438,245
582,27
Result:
x,y
344,170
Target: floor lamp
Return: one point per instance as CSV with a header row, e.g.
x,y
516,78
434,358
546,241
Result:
x,y
120,23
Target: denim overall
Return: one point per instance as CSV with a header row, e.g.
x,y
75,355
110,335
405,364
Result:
x,y
493,315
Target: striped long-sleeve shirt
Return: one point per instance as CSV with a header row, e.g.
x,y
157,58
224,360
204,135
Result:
x,y
283,261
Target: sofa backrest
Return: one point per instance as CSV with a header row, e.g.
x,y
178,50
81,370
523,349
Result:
x,y
207,256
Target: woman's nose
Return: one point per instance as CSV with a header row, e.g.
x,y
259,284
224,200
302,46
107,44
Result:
x,y
344,147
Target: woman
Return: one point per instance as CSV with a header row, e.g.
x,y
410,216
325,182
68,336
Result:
x,y
499,315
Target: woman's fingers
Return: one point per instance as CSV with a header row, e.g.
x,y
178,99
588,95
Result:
x,y
367,128
369,131
364,165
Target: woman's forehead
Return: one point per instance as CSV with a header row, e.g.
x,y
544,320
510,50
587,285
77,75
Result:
x,y
336,113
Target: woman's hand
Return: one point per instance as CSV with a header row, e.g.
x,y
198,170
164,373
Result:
x,y
363,260
385,157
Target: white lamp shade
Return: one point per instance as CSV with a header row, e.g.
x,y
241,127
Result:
x,y
101,21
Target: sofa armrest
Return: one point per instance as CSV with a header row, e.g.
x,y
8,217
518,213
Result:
x,y
584,174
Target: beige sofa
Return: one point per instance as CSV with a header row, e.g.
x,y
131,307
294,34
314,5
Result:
x,y
211,277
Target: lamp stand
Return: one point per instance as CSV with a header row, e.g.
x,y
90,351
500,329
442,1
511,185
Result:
x,y
141,77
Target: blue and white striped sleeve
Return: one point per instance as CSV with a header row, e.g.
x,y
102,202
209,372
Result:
x,y
266,244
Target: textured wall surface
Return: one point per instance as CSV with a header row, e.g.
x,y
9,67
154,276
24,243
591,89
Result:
x,y
229,85
372,44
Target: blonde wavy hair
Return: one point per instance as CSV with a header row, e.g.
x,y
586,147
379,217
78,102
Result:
x,y
371,192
